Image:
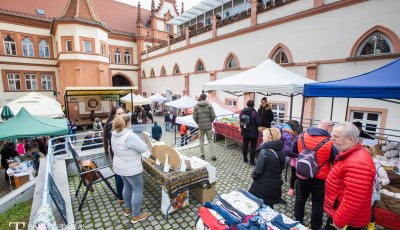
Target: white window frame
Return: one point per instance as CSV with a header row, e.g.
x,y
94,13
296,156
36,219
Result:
x,y
46,81
279,114
369,38
44,51
169,28
280,57
31,78
365,120
27,47
127,56
117,56
109,56
231,103
8,46
12,79
231,59
68,48
84,47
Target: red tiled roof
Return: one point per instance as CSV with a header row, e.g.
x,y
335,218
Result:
x,y
119,17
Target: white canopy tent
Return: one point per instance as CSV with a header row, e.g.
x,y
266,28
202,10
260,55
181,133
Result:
x,y
37,104
137,99
266,78
157,98
184,102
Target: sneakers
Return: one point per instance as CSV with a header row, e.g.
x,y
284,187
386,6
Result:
x,y
245,160
120,201
141,217
291,191
252,163
203,157
127,212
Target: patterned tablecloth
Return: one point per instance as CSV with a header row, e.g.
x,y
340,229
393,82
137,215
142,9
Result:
x,y
175,182
232,132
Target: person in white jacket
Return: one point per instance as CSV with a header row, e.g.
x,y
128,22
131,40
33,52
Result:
x,y
127,162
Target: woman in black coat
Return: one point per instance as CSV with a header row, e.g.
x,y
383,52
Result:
x,y
267,184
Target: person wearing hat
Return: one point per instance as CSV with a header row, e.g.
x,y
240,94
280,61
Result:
x,y
204,115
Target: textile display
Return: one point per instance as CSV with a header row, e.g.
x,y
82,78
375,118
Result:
x,y
175,182
278,221
241,202
232,132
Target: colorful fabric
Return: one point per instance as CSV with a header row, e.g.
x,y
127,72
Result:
x,y
252,197
232,132
212,219
241,202
269,216
229,219
44,219
175,182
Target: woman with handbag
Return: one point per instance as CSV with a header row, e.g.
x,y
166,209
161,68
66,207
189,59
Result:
x,y
267,184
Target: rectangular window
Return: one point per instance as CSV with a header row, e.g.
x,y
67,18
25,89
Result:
x,y
68,45
30,82
103,49
47,83
238,6
227,7
14,82
127,58
88,46
168,28
279,113
44,51
369,120
27,50
117,57
10,48
231,103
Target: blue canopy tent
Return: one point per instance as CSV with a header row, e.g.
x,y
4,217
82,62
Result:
x,y
382,84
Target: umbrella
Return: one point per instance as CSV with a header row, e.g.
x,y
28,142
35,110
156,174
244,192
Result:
x,y
6,113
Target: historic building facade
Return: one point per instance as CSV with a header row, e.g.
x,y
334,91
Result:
x,y
49,45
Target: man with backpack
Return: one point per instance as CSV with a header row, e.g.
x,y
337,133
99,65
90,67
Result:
x,y
249,123
316,152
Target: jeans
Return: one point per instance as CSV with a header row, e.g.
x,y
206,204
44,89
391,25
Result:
x,y
373,214
316,187
210,138
167,126
253,145
330,227
133,193
183,140
74,136
293,176
119,183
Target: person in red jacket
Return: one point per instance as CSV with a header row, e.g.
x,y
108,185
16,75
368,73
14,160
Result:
x,y
314,186
349,185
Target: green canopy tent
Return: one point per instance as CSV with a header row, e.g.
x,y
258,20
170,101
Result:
x,y
25,124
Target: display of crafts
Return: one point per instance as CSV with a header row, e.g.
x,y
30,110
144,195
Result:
x,y
241,209
390,157
231,121
160,153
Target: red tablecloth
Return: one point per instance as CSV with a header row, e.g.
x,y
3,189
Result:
x,y
232,132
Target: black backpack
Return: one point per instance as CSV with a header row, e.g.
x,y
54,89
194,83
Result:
x,y
307,163
245,122
98,126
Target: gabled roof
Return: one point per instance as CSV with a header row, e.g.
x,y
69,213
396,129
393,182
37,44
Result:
x,y
81,10
119,17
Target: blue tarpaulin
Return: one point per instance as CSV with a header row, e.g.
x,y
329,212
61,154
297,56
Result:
x,y
383,83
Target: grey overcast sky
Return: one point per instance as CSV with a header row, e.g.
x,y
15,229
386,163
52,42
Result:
x,y
146,4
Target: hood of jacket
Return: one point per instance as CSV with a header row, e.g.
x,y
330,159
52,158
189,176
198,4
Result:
x,y
276,145
269,106
203,103
247,111
114,133
314,131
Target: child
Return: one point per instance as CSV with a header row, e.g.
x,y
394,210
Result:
x,y
381,179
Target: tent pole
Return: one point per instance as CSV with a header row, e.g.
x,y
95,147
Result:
x,y
302,111
67,107
347,109
132,101
332,107
291,106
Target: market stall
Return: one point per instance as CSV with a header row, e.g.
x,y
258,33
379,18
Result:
x,y
135,100
231,130
184,102
381,84
267,78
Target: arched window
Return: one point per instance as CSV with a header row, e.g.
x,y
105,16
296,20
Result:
x,y
127,57
375,44
117,56
176,69
27,47
232,63
9,46
163,72
44,49
281,57
200,66
152,73
143,74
